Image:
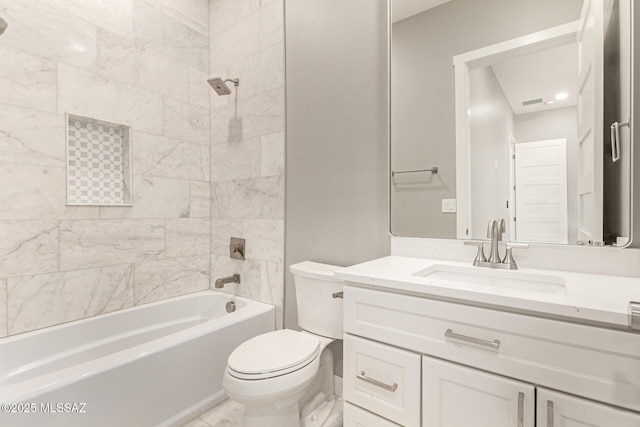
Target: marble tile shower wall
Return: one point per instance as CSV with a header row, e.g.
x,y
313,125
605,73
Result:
x,y
143,63
247,151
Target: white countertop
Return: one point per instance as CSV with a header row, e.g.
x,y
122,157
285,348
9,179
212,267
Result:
x,y
581,297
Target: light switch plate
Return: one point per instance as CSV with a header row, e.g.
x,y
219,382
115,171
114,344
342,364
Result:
x,y
448,205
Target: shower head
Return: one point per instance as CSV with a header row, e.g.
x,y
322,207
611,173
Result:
x,y
220,86
3,25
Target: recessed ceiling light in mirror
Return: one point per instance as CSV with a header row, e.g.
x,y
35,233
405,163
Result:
x,y
561,95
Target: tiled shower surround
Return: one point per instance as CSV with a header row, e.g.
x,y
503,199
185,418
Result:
x,y
144,63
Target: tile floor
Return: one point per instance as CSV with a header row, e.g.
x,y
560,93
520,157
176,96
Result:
x,y
231,414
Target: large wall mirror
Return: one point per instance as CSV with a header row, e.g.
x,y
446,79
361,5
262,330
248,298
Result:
x,y
514,109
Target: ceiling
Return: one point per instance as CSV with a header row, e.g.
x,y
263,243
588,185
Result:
x,y
540,75
401,9
537,75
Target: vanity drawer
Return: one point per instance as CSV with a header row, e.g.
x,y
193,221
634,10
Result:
x,y
382,379
594,362
354,416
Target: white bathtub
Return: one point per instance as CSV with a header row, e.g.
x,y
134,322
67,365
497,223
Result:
x,y
158,364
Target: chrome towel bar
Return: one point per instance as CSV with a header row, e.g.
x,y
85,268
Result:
x,y
433,170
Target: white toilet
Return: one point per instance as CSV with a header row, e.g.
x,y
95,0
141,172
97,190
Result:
x,y
285,377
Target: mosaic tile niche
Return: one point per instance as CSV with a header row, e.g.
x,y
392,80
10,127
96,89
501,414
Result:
x,y
98,162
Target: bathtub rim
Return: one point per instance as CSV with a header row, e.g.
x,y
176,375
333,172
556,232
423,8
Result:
x,y
31,388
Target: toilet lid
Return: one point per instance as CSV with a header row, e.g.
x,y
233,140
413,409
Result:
x,y
274,353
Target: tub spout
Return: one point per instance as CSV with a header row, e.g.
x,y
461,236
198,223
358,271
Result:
x,y
229,279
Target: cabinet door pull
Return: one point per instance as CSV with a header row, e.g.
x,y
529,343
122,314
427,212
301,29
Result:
x,y
520,409
494,345
363,377
549,413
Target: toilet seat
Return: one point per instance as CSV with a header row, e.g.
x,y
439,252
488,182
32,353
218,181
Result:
x,y
273,354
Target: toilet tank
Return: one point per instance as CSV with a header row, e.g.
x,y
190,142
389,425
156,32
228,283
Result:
x,y
319,312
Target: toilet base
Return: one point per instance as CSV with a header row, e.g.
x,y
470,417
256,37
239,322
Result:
x,y
318,417
272,416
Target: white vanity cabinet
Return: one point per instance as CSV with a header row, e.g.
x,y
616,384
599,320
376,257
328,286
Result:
x,y
418,362
456,395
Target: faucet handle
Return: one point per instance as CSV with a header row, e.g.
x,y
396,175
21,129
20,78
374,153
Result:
x,y
508,257
480,255
517,245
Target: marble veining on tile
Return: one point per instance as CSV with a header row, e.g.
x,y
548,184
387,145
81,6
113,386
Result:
x,y
271,22
34,24
200,199
250,198
153,197
238,160
28,247
48,299
187,237
267,237
161,156
27,81
228,14
126,60
36,192
86,243
165,278
186,122
114,16
121,103
199,89
160,32
260,115
31,137
272,154
236,42
194,14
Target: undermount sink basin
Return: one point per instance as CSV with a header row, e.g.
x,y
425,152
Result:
x,y
473,277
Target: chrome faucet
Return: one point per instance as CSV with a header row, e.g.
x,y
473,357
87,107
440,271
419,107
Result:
x,y
495,229
229,279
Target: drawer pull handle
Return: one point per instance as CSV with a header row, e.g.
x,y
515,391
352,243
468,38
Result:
x,y
550,413
520,409
337,295
363,377
494,345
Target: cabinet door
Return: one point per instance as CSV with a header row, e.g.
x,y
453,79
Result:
x,y
561,410
458,396
382,379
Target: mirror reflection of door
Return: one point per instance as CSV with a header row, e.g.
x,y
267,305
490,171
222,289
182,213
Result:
x,y
540,186
590,122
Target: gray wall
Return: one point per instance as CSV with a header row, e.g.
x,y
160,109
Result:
x,y
491,127
337,133
423,131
